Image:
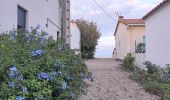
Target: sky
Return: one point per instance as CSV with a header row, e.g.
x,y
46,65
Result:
x,y
88,10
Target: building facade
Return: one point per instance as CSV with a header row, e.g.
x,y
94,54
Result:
x,y
52,16
157,34
128,34
75,36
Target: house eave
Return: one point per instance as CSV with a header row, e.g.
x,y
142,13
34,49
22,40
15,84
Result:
x,y
136,24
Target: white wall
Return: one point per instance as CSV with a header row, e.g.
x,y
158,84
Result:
x,y
158,36
139,59
38,12
121,42
75,36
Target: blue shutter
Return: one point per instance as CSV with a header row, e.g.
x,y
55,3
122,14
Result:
x,y
144,40
21,18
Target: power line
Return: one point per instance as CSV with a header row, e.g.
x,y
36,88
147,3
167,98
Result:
x,y
75,4
103,10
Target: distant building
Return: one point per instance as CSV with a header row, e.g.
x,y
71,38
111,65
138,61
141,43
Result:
x,y
52,15
75,42
158,34
128,34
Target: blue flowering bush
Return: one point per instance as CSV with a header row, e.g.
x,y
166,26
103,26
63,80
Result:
x,y
33,66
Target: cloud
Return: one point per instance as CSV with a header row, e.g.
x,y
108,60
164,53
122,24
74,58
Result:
x,y
106,41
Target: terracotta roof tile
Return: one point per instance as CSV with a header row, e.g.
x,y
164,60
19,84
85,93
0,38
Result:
x,y
128,22
156,8
131,21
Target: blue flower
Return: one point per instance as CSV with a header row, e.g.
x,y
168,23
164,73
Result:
x,y
63,65
43,42
39,35
60,73
69,77
30,37
54,73
64,86
38,27
13,68
46,34
12,34
83,76
43,75
13,72
73,95
37,53
11,84
24,89
20,98
57,65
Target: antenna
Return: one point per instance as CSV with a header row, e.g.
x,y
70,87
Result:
x,y
117,14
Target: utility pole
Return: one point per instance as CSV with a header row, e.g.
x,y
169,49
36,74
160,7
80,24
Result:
x,y
66,23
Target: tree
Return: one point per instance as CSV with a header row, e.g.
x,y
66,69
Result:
x,y
89,36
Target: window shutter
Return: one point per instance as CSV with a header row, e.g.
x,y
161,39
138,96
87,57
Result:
x,y
21,18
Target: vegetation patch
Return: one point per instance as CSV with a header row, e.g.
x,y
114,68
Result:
x,y
90,34
129,62
33,66
154,79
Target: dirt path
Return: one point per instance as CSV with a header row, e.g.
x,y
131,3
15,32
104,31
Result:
x,y
110,82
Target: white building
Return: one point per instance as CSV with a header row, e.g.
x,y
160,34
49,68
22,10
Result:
x,y
157,33
128,34
52,15
75,36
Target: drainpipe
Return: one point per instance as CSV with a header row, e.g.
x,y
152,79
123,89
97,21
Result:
x,y
131,30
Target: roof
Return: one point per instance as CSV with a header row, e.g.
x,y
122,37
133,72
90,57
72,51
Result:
x,y
129,22
156,8
73,25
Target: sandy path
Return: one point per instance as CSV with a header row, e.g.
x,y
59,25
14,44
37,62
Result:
x,y
112,83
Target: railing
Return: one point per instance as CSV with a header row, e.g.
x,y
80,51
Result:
x,y
140,48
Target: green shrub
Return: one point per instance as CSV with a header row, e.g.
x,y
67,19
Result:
x,y
140,76
166,89
151,68
154,79
167,97
129,62
153,87
165,74
33,66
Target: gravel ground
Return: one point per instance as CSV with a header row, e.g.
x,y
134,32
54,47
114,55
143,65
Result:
x,y
110,82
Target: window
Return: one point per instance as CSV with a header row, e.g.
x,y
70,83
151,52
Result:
x,y
58,34
21,20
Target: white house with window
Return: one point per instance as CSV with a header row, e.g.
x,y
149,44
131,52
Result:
x,y
157,33
53,16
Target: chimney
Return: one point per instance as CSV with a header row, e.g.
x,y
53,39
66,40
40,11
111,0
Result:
x,y
121,17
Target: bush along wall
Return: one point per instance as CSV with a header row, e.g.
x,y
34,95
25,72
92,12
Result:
x,y
129,62
33,66
154,79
